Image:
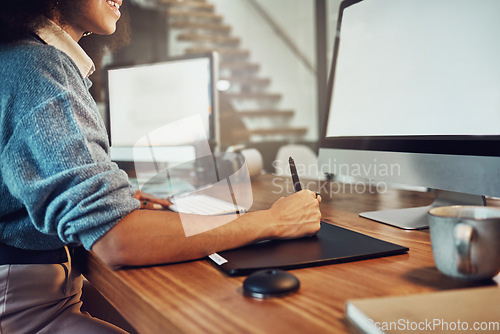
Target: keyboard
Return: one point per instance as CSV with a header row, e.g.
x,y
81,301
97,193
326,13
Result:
x,y
204,205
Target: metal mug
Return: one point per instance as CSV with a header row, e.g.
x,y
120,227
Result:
x,y
466,241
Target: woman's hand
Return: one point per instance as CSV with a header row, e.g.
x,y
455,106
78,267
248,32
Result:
x,y
297,215
151,202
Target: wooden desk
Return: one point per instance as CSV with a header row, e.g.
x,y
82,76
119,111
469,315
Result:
x,y
195,297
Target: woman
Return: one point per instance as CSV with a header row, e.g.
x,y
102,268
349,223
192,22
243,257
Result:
x,y
59,187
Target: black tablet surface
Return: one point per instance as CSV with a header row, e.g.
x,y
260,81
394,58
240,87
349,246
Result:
x,y
332,244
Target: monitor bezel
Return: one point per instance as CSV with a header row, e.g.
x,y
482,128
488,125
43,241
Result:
x,y
452,145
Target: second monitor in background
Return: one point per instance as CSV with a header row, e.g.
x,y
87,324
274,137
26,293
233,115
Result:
x,y
170,106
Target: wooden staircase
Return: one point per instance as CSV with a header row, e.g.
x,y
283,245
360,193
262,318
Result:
x,y
248,110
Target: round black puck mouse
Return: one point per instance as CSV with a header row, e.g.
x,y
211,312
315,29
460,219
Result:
x,y
270,283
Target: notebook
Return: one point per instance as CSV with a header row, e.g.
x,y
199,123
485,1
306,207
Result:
x,y
472,310
332,244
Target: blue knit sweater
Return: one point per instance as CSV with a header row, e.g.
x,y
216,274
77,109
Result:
x,y
57,183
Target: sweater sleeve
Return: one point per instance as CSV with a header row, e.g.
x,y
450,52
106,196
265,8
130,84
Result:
x,y
56,162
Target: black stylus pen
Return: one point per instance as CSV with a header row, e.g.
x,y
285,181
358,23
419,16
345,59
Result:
x,y
295,176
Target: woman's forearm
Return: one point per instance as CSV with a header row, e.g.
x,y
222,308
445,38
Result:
x,y
146,237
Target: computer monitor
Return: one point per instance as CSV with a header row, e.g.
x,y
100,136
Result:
x,y
414,99
170,106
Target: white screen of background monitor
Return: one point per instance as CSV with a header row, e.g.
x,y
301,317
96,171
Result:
x,y
417,67
145,98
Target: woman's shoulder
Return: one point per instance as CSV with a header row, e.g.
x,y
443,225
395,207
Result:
x,y
33,73
32,57
33,67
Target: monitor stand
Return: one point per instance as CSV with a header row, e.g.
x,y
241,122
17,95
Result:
x,y
416,218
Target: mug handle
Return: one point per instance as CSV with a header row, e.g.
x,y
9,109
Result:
x,y
463,236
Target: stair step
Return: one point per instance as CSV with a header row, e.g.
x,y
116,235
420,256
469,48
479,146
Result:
x,y
196,16
203,38
212,27
247,81
258,113
193,5
257,96
224,53
239,66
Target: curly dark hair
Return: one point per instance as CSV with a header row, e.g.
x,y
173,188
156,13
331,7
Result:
x,y
19,18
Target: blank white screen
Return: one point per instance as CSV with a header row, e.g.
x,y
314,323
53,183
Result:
x,y
145,98
417,67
